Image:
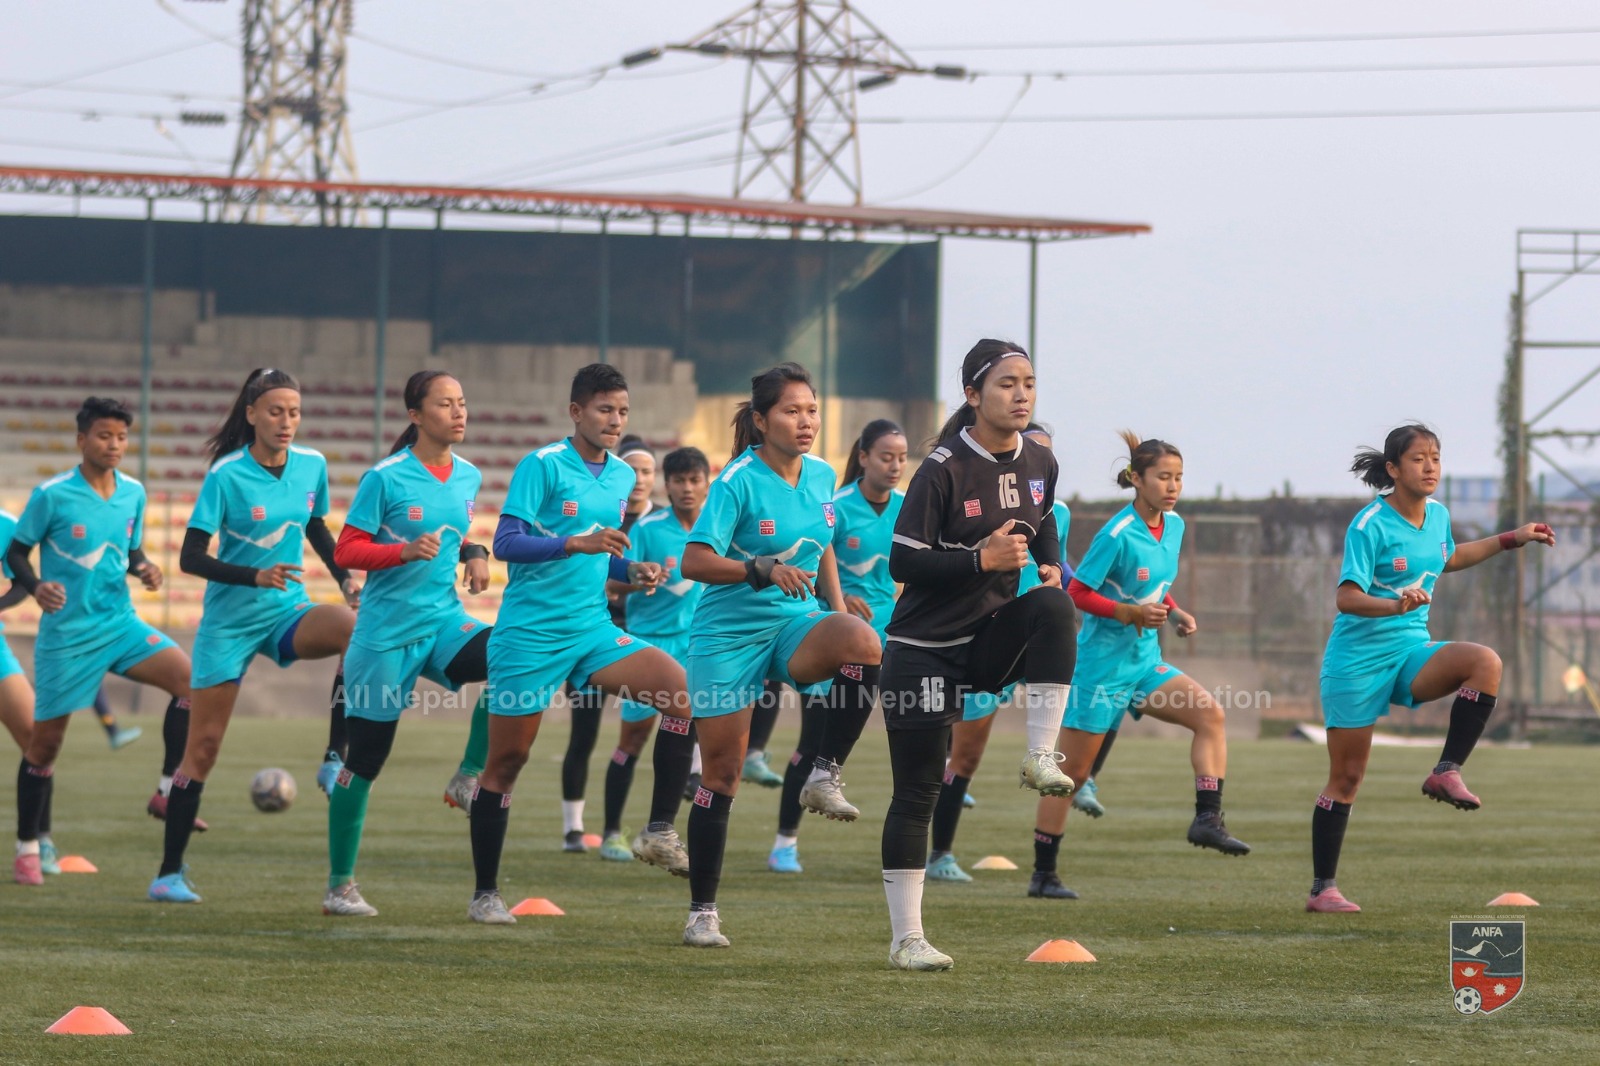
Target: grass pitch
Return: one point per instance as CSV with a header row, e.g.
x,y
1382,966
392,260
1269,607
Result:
x,y
1201,958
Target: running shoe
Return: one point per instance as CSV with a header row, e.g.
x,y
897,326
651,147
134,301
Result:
x,y
490,909
346,902
915,953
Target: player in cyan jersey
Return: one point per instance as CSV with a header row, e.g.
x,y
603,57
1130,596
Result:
x,y
974,510
662,618
264,498
865,509
407,528
89,526
1380,652
1123,588
558,531
969,737
763,546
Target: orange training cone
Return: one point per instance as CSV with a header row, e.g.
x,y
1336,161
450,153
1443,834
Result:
x,y
536,906
88,1021
1505,899
994,862
77,864
1061,951
592,840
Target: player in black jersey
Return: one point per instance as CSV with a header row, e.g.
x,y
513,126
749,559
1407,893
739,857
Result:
x,y
974,510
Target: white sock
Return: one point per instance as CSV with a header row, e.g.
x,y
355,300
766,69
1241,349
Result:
x,y
903,888
1047,704
572,816
753,753
819,774
695,765
164,786
27,847
781,841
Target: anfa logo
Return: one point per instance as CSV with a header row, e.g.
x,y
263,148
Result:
x,y
1444,550
1487,964
767,527
413,514
258,514
79,532
1036,490
1144,573
827,512
569,508
974,508
1400,565
311,502
702,797
852,543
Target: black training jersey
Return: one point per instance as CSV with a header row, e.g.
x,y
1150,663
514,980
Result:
x,y
957,498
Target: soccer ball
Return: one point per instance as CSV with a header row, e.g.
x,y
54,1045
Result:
x,y
272,790
1468,1000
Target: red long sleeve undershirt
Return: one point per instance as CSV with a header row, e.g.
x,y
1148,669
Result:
x,y
355,551
1089,601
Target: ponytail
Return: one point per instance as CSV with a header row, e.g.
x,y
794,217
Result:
x,y
871,433
416,394
1142,455
1372,466
766,389
974,368
236,431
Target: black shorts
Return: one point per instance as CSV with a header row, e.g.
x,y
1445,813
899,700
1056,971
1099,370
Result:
x,y
923,688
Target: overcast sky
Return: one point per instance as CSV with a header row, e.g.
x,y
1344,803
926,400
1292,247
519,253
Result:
x,y
1310,281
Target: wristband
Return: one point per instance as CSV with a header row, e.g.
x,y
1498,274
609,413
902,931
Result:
x,y
469,552
758,571
977,560
1508,541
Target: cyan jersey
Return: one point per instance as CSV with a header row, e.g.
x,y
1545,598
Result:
x,y
659,537
1029,578
557,495
398,501
259,521
84,542
1125,563
861,540
1385,554
8,525
751,511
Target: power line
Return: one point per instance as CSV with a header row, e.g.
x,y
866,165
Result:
x,y
601,153
61,146
971,156
146,57
95,114
498,98
1351,68
220,38
176,95
1313,38
460,64
1231,116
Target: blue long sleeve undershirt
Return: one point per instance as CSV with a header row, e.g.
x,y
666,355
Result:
x,y
515,542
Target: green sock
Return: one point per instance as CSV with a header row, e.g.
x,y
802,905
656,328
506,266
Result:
x,y
347,814
477,752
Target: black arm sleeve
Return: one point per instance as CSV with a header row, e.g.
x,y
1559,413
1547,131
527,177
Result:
x,y
14,595
136,560
1046,547
931,566
196,560
322,543
22,572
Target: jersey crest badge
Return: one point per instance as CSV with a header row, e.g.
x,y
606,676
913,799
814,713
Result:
x,y
974,508
130,529
622,511
767,527
258,514
1036,490
311,502
827,512
472,509
413,514
1444,551
569,508
1400,565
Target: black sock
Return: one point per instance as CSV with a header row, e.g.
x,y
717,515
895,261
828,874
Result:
x,y
586,707
1046,847
764,716
102,711
1328,821
619,779
916,764
799,768
849,703
947,811
708,838
338,732
174,734
671,759
488,817
49,805
33,788
1100,756
183,807
1207,794
1468,715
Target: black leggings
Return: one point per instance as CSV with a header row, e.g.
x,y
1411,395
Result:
x,y
1034,637
916,757
586,707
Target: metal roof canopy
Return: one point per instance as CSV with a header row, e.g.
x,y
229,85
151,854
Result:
x,y
595,206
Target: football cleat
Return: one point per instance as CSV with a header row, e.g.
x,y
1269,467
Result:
x,y
785,860
1087,799
757,772
174,888
704,930
120,738
1449,788
825,796
1330,901
490,909
458,793
661,847
572,840
1208,831
915,953
1044,884
328,772
26,870
157,809
49,858
1041,772
614,848
346,902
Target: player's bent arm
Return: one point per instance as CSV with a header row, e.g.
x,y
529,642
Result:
x,y
828,587
700,563
21,567
196,559
320,537
1352,600
920,564
514,542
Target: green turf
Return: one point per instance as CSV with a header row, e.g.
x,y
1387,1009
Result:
x,y
1202,958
